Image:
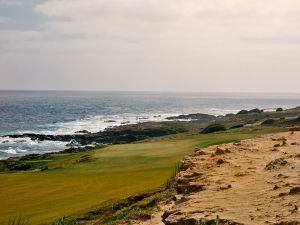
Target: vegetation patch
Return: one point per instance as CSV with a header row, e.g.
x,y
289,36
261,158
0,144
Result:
x,y
237,126
88,185
268,122
279,109
213,128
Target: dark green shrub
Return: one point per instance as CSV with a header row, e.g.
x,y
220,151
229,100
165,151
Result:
x,y
255,111
250,122
64,221
213,128
236,126
279,109
268,122
242,112
212,222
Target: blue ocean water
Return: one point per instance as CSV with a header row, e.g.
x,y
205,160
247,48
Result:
x,y
55,112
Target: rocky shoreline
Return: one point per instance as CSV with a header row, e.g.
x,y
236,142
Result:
x,y
194,123
117,135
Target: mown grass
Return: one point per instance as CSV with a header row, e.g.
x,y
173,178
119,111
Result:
x,y
77,182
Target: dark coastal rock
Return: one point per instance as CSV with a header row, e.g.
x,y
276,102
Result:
x,y
118,135
196,116
82,132
110,121
44,137
73,143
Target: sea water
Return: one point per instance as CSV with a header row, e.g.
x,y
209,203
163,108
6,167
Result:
x,y
57,112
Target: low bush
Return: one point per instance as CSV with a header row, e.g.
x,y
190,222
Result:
x,y
242,112
212,222
213,128
64,221
236,126
279,109
268,122
255,111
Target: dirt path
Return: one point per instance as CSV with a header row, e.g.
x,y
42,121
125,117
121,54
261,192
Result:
x,y
253,182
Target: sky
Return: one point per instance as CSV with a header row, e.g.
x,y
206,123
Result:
x,y
150,45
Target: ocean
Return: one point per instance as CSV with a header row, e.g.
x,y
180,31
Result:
x,y
65,112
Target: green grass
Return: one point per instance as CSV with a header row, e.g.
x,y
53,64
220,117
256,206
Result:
x,y
77,182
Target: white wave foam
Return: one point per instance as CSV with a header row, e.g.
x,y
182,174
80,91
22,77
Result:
x,y
9,141
13,151
219,111
99,123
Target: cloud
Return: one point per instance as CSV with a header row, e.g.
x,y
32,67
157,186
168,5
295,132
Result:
x,y
282,40
109,24
120,20
148,18
3,20
155,41
14,2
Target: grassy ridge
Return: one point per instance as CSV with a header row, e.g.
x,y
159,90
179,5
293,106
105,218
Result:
x,y
77,181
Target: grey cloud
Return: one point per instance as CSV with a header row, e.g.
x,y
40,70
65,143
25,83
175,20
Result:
x,y
4,20
282,40
156,45
14,2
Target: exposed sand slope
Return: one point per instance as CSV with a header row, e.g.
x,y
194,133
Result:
x,y
250,182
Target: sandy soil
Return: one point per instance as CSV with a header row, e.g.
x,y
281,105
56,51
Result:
x,y
156,218
251,182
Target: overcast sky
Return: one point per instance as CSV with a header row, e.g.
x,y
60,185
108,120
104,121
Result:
x,y
150,45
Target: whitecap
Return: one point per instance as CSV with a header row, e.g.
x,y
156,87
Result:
x,y
19,150
10,151
25,140
99,123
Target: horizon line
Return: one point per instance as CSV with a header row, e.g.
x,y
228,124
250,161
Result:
x,y
148,91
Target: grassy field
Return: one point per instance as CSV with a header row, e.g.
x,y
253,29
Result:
x,y
78,181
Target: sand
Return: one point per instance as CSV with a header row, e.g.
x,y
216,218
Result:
x,y
249,182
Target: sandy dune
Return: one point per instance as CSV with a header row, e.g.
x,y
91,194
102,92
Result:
x,y
250,182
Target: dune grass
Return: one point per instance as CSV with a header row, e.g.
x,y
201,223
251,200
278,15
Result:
x,y
78,181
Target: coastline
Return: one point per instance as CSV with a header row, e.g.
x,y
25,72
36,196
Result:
x,y
137,131
141,158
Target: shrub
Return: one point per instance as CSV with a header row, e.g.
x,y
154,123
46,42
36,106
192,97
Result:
x,y
279,109
242,112
213,128
255,111
213,222
64,221
268,122
236,126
